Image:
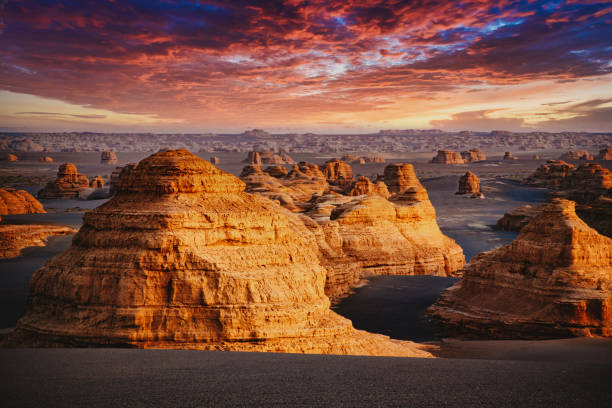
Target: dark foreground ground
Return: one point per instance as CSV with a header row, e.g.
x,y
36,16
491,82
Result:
x,y
161,378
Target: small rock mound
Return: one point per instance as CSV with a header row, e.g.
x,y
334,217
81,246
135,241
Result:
x,y
469,183
509,156
14,201
108,157
66,185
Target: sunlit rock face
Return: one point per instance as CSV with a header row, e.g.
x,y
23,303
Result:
x,y
605,154
337,172
553,280
400,176
14,201
447,157
182,257
576,155
66,185
473,155
469,183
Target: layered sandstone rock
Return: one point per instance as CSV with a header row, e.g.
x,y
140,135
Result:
x,y
259,158
549,175
14,201
14,238
46,159
516,219
447,157
576,155
97,182
337,172
369,236
553,280
363,186
473,155
108,157
509,156
276,171
116,176
182,257
400,176
605,154
66,185
253,158
469,183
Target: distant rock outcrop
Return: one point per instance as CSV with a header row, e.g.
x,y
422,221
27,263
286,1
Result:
x,y
15,237
9,157
46,159
473,155
337,172
259,158
605,154
97,182
448,157
576,155
400,176
469,183
108,157
14,201
353,159
549,175
553,280
66,185
215,160
182,257
509,156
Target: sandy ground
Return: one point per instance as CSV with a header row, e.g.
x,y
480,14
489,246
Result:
x,y
168,378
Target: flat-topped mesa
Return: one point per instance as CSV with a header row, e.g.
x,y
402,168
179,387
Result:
x,y
549,175
473,155
400,176
14,201
553,280
67,184
605,154
182,257
469,183
337,172
363,186
576,155
447,157
108,157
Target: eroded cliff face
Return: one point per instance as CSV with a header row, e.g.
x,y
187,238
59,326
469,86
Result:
x,y
182,257
14,201
553,280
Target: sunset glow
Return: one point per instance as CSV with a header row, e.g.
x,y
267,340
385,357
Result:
x,y
300,66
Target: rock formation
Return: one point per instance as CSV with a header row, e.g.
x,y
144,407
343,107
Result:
x,y
576,155
46,159
509,156
260,158
14,201
97,182
448,157
400,176
469,183
363,186
9,157
473,155
553,280
337,172
516,219
108,157
549,175
353,159
182,257
368,236
116,176
66,185
14,238
215,160
605,154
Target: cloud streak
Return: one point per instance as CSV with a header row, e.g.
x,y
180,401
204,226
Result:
x,y
293,61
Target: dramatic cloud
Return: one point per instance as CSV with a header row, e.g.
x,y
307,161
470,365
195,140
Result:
x,y
218,64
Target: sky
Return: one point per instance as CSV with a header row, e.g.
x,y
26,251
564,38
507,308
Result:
x,y
305,66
